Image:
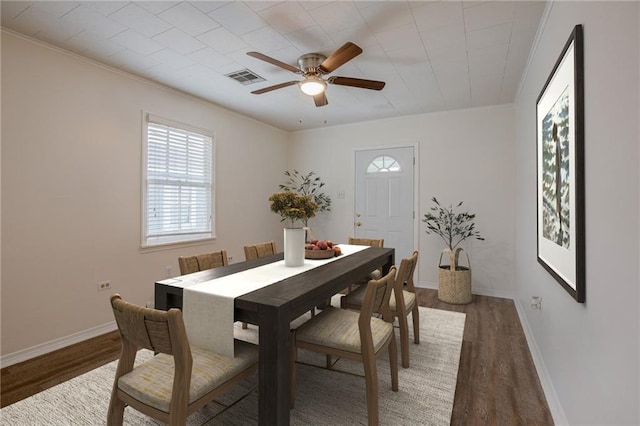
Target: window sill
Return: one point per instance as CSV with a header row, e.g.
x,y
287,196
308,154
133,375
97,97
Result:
x,y
175,245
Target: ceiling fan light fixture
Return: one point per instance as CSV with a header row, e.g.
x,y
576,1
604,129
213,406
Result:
x,y
313,85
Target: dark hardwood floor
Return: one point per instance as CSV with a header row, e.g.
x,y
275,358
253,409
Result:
x,y
27,378
497,381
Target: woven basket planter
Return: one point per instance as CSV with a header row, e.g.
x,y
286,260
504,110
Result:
x,y
454,281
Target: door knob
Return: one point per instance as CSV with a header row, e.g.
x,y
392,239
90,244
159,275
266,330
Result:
x,y
357,214
358,223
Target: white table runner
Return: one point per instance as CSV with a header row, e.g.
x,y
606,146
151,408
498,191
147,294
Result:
x,y
208,307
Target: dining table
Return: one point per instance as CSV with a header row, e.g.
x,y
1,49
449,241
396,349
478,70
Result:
x,y
273,307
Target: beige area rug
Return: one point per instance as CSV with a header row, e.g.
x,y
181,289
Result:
x,y
324,397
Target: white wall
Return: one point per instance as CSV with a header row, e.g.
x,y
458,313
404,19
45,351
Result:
x,y
462,156
71,159
589,351
71,149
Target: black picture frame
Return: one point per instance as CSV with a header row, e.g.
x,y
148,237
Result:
x,y
560,169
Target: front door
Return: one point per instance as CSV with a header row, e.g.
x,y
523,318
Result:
x,y
384,197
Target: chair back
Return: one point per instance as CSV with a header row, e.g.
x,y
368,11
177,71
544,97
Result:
x,y
372,242
156,330
202,262
256,251
376,299
404,279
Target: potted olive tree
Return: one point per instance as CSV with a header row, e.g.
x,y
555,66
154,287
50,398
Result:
x,y
454,280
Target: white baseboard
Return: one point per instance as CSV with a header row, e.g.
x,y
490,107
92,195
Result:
x,y
557,412
475,290
45,348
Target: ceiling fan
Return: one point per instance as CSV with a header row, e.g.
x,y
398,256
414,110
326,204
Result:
x,y
313,67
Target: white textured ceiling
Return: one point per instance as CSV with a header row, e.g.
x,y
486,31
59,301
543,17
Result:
x,y
433,55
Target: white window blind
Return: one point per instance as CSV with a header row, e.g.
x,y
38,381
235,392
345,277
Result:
x,y
178,183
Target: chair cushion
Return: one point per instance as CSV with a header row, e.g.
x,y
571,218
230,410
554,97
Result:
x,y
338,328
376,274
355,298
152,381
409,300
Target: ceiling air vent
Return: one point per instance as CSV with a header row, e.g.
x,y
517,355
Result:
x,y
245,77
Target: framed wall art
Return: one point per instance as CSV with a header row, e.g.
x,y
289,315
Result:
x,y
560,169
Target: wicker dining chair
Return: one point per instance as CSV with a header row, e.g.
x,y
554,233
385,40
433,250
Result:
x,y
402,302
202,262
373,242
180,379
376,273
356,336
256,251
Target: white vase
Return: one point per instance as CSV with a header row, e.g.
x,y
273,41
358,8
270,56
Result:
x,y
294,246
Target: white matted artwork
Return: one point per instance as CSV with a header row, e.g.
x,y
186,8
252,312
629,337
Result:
x,y
560,170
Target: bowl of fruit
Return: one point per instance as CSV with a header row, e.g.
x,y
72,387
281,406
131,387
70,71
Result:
x,y
320,249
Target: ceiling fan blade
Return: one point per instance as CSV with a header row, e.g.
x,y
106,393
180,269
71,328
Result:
x,y
321,99
357,82
275,62
340,57
275,87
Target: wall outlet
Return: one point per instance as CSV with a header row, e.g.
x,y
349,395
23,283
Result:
x,y
149,304
230,258
536,302
168,271
104,285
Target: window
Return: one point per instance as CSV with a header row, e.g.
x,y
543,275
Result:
x,y
384,164
178,183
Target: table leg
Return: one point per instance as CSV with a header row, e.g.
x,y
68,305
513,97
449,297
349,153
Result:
x,y
160,298
273,376
390,262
